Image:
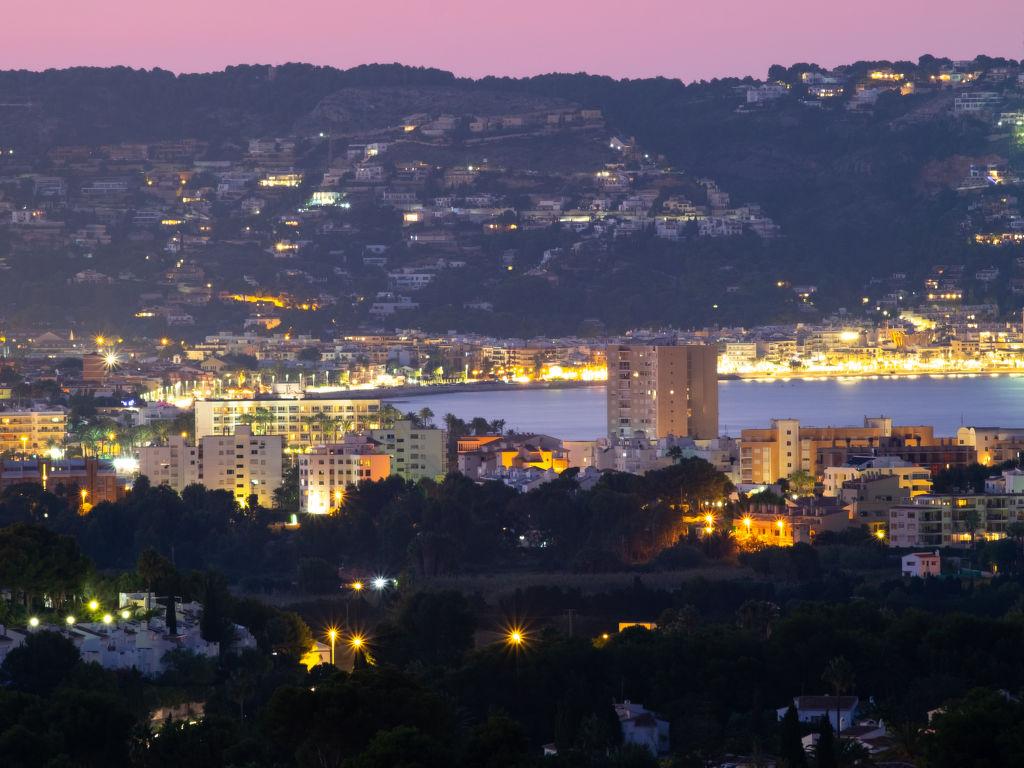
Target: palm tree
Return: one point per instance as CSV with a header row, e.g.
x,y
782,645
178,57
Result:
x,y
160,431
323,423
839,675
801,483
388,415
307,426
425,416
259,419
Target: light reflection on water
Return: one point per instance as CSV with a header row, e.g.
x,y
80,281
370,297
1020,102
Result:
x,y
579,413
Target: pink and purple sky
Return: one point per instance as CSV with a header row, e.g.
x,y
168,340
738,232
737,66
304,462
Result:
x,y
687,39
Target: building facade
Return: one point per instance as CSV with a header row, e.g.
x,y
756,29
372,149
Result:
x,y
786,447
659,391
242,464
416,453
89,481
953,520
327,471
32,431
304,421
916,480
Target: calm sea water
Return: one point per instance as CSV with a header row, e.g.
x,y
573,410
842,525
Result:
x,y
579,414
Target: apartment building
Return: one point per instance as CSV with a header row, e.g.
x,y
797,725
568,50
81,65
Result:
x,y
953,520
916,480
993,444
327,471
175,465
304,421
657,391
786,447
241,463
32,431
416,453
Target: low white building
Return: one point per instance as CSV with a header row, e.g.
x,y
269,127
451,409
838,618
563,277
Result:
x,y
839,710
922,564
116,642
642,727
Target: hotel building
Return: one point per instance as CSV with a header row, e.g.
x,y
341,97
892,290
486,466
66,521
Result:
x,y
31,432
304,421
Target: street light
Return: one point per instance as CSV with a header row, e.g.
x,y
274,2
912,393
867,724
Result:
x,y
33,622
356,642
94,605
380,583
515,638
357,586
126,614
70,620
107,618
332,634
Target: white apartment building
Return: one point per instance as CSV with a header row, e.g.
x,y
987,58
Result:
x,y
289,418
945,520
416,452
175,465
327,471
242,464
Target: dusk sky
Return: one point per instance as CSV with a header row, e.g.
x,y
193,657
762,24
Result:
x,y
636,38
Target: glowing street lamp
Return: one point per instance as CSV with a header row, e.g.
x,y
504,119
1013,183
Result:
x,y
107,618
33,622
332,635
70,620
380,583
747,522
357,586
356,642
515,638
94,605
126,614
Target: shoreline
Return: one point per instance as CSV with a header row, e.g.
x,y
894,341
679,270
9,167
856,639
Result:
x,y
398,393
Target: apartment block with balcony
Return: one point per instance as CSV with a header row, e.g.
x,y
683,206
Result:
x,y
303,421
954,520
242,463
32,431
328,471
416,453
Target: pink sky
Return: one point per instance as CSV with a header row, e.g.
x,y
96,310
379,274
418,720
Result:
x,y
624,38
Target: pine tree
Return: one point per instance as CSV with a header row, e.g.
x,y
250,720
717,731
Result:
x,y
172,616
825,752
791,748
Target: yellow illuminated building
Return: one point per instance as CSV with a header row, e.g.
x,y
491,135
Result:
x,y
31,432
286,180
